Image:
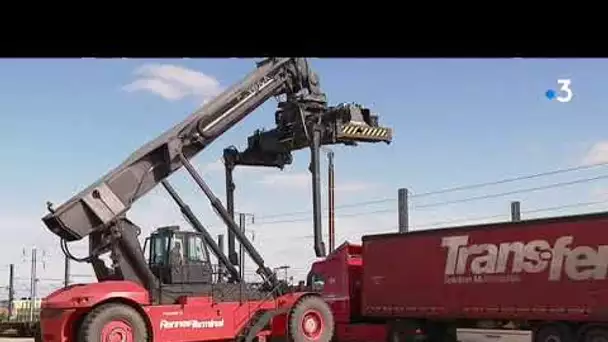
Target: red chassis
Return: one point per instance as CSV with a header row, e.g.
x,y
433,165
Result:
x,y
191,319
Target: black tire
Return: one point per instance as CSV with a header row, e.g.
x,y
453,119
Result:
x,y
100,321
598,334
554,333
403,331
395,333
441,332
310,320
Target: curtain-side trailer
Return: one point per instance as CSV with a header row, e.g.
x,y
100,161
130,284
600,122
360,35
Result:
x,y
547,276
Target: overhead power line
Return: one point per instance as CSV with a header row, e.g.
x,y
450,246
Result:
x,y
450,189
510,180
460,200
445,223
533,211
342,206
507,193
338,216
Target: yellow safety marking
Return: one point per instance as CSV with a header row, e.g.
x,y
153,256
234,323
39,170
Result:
x,y
364,131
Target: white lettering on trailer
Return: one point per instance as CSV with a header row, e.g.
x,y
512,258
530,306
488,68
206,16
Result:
x,y
192,324
487,262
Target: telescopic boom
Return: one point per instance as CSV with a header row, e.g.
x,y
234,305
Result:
x,y
303,119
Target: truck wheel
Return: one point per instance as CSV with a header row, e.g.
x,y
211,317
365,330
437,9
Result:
x,y
403,331
554,333
596,335
395,334
113,322
311,319
440,332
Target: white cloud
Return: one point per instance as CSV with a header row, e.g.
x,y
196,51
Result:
x,y
173,82
160,87
598,153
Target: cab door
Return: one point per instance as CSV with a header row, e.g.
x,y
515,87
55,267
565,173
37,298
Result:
x,y
159,258
197,267
177,260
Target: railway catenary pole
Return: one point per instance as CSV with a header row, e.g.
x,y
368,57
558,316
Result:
x,y
402,207
243,227
331,200
33,284
241,252
515,211
11,289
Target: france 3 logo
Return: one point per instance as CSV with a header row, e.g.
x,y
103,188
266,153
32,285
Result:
x,y
563,94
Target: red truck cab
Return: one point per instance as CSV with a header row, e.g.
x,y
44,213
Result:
x,y
339,278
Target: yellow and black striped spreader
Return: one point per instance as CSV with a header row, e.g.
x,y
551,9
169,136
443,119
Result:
x,y
364,132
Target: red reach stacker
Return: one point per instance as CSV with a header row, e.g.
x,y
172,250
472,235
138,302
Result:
x,y
546,277
173,294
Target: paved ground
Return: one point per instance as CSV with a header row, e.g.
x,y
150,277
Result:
x,y
15,339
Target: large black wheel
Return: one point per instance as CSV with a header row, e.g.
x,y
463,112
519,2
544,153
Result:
x,y
597,334
396,333
441,332
554,333
311,319
403,331
113,322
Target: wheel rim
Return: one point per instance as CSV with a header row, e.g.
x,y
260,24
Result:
x,y
117,331
312,325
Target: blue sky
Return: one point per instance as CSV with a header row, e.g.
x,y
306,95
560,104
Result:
x,y
66,122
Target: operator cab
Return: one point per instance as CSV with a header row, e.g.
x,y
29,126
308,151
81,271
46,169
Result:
x,y
179,257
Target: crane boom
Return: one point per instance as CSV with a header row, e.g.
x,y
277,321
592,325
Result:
x,y
303,118
113,194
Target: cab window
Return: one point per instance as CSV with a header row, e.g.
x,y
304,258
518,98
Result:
x,y
196,251
317,282
176,254
158,249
